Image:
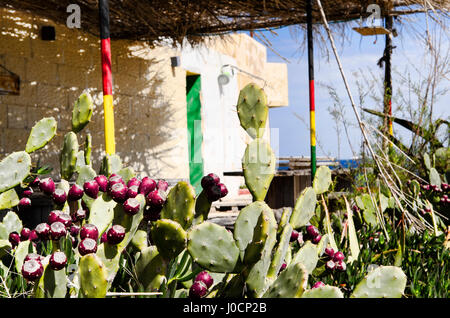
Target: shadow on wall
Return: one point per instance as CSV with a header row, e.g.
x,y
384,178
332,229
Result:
x,y
54,73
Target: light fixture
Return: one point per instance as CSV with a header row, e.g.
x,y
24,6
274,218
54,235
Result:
x,y
224,77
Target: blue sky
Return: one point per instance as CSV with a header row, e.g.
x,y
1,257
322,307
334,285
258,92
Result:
x,y
359,54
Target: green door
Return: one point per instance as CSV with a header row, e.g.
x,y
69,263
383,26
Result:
x,y
194,125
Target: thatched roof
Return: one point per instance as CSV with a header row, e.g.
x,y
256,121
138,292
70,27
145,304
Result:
x,y
149,20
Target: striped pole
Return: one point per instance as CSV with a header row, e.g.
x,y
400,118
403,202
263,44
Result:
x,y
110,145
312,116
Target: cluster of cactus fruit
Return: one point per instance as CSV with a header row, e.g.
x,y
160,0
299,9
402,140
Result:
x,y
177,251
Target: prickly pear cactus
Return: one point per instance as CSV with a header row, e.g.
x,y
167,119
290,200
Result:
x,y
258,165
261,232
304,208
68,156
102,212
291,283
41,133
52,284
14,169
93,277
150,269
308,256
213,247
8,199
110,164
326,291
322,180
169,237
88,149
280,252
252,110
180,204
82,112
382,282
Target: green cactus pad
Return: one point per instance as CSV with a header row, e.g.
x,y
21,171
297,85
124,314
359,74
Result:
x,y
280,251
85,173
202,207
8,199
11,223
20,252
322,180
139,240
110,164
180,204
52,284
88,149
93,277
435,179
169,237
258,165
80,160
41,133
326,291
252,110
68,156
291,283
102,212
304,208
14,169
127,173
150,269
369,213
212,247
109,256
82,112
261,231
308,256
284,219
382,282
245,224
5,247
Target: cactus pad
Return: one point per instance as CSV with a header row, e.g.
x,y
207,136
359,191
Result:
x,y
322,180
258,165
14,169
382,282
326,291
82,112
291,283
304,208
68,156
180,204
102,212
85,173
253,110
261,231
308,256
93,277
280,251
41,133
212,247
150,269
8,199
110,164
88,149
52,284
169,237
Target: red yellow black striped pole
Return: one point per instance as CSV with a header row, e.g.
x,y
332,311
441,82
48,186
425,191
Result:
x,y
110,144
312,116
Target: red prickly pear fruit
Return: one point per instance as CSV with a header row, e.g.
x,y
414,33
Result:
x,y
198,290
317,239
114,179
27,192
312,231
91,188
223,190
43,231
57,230
330,265
133,182
33,236
338,256
24,203
115,234
131,206
89,231
104,238
75,192
32,270
65,219
32,256
213,193
35,183
294,235
14,239
147,185
25,234
118,192
132,191
162,185
58,260
47,186
102,182
80,215
341,266
59,196
204,277
283,267
87,246
330,252
53,216
74,230
318,284
156,198
209,180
